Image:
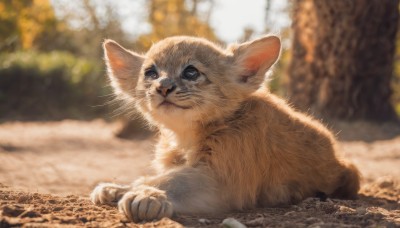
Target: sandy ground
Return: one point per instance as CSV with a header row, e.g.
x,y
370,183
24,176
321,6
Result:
x,y
47,170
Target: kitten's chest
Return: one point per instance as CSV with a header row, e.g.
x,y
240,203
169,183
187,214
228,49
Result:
x,y
171,154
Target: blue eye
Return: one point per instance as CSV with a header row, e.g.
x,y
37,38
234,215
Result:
x,y
151,73
190,73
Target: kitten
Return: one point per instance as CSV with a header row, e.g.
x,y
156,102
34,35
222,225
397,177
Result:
x,y
226,143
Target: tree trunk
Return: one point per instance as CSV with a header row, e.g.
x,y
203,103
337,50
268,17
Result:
x,y
342,59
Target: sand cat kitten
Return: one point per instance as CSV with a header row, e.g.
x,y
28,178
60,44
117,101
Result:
x,y
225,142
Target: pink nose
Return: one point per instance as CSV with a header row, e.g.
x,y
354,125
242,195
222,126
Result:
x,y
166,86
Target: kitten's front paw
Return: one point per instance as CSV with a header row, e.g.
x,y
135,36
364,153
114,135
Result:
x,y
146,203
108,193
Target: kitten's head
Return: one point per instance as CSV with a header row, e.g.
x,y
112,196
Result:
x,y
186,80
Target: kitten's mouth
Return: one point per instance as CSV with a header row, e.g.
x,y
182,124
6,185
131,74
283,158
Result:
x,y
170,104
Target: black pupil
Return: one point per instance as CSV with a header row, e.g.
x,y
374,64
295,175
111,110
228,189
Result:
x,y
190,73
151,73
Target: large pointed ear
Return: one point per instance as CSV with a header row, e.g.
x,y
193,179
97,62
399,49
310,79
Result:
x,y
123,67
253,60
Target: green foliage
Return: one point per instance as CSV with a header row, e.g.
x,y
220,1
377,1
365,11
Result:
x,y
50,86
277,79
37,82
395,83
172,18
22,23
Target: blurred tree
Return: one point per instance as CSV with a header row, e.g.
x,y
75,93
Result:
x,y
248,33
278,76
23,22
92,24
342,60
396,78
173,17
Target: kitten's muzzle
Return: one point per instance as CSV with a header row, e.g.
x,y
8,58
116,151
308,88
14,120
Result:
x,y
165,87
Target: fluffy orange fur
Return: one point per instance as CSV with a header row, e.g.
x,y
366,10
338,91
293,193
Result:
x,y
226,143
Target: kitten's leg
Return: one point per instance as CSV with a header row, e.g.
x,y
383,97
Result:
x,y
336,180
145,203
185,190
108,193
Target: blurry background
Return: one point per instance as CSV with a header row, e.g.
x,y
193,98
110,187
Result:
x,y
340,62
51,63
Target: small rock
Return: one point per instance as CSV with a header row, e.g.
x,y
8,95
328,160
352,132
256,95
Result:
x,y
385,182
78,209
346,209
232,223
313,220
12,211
29,214
23,198
318,225
373,215
51,201
361,210
257,222
204,221
290,213
83,219
58,208
297,208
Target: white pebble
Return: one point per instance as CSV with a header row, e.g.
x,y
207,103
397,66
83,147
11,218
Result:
x,y
232,223
204,221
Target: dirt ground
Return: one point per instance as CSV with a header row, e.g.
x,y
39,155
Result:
x,y
47,170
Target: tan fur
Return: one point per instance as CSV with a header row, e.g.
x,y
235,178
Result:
x,y
235,145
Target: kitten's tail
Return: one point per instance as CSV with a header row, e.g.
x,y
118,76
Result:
x,y
349,183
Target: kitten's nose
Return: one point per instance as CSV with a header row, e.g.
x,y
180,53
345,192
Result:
x,y
166,86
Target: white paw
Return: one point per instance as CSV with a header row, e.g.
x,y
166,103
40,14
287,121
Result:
x,y
108,193
145,203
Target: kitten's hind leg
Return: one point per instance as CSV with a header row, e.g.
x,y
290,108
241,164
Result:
x,y
108,193
349,183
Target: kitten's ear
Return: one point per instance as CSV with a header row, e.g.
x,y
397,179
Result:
x,y
254,58
123,66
